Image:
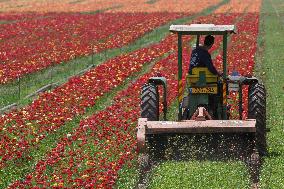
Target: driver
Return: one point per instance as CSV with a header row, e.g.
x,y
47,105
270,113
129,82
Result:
x,y
200,56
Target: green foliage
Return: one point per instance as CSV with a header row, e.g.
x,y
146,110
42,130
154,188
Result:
x,y
271,70
128,176
151,1
204,174
5,22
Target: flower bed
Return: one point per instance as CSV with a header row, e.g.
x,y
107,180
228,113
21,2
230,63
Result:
x,y
23,128
34,44
111,6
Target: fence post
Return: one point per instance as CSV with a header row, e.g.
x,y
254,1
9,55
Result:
x,y
50,74
74,68
19,87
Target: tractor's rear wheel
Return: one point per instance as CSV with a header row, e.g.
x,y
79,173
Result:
x,y
150,102
150,110
257,110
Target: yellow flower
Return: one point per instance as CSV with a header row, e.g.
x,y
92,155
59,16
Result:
x,y
85,176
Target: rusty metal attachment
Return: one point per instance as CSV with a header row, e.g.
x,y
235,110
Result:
x,y
141,134
191,126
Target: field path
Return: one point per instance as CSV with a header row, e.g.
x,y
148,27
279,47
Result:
x,y
271,70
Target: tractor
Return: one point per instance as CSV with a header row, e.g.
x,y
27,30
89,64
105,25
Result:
x,y
202,102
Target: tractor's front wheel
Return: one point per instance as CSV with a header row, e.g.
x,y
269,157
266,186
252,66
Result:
x,y
257,110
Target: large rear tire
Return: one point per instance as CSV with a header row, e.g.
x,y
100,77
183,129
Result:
x,y
150,102
150,110
257,110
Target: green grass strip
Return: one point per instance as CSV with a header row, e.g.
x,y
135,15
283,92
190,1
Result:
x,y
201,175
5,21
103,10
151,1
127,177
76,1
271,69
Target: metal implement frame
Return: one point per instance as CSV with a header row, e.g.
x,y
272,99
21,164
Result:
x,y
190,126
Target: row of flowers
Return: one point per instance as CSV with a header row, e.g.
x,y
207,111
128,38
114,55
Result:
x,y
34,44
234,6
23,128
111,6
164,5
240,6
22,16
92,155
58,6
242,56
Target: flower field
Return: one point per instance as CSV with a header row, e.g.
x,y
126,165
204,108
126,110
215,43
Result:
x,y
109,6
82,134
57,38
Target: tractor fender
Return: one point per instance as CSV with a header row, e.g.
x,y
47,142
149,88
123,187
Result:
x,y
250,80
161,81
243,80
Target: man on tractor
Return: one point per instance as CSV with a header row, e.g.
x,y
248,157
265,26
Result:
x,y
200,57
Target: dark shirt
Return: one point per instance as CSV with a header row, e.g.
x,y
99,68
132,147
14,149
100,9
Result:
x,y
200,57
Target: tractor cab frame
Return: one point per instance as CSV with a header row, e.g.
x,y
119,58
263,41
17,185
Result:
x,y
198,30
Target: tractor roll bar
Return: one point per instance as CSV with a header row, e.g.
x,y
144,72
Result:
x,y
201,29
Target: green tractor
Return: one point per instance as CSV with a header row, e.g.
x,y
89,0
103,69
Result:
x,y
204,108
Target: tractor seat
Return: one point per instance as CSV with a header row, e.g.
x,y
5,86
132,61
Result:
x,y
201,75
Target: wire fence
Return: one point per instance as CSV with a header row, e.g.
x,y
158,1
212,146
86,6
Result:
x,y
32,84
